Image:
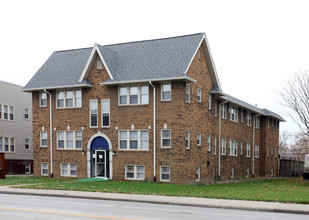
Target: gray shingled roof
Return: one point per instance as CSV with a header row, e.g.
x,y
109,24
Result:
x,y
134,61
250,107
62,69
153,59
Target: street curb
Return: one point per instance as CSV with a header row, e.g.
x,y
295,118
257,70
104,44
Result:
x,y
168,200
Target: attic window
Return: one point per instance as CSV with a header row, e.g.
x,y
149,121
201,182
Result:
x,y
199,54
99,64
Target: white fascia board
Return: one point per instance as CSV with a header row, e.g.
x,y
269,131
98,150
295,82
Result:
x,y
89,61
212,63
56,87
194,53
185,78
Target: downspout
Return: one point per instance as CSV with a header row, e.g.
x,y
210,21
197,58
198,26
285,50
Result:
x,y
253,147
50,133
154,131
220,116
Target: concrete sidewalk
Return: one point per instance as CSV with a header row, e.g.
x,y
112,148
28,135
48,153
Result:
x,y
170,200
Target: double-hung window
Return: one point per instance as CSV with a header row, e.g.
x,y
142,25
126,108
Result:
x,y
69,99
134,95
165,173
233,148
134,172
11,113
188,91
27,144
233,114
44,169
187,139
215,145
198,174
43,99
69,140
223,110
199,95
105,112
240,148
6,144
257,122
43,137
12,145
5,112
248,150
26,113
166,89
0,111
93,113
68,169
209,142
248,118
134,140
223,146
199,138
257,151
165,138
1,144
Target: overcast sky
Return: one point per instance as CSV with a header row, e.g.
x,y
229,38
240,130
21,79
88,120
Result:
x,y
256,45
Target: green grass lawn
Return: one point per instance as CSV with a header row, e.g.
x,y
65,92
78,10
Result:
x,y
287,190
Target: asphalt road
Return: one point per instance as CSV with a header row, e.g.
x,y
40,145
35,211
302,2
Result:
x,y
43,207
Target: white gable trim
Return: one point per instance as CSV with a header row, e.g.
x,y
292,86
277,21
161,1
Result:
x,y
211,60
90,61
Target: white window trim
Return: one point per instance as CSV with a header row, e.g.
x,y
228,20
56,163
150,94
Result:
x,y
257,151
199,138
241,147
65,140
27,119
42,168
29,164
257,122
162,180
139,140
28,144
69,170
209,101
215,145
9,145
96,113
235,113
198,173
232,173
187,132
135,172
139,95
223,146
233,145
209,142
40,98
248,150
109,114
164,100
248,119
42,139
188,93
8,112
166,138
199,95
223,111
74,98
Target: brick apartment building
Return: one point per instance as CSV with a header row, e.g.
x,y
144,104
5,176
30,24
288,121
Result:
x,y
148,110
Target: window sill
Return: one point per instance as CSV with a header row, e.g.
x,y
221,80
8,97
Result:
x,y
165,147
120,105
58,108
232,155
132,150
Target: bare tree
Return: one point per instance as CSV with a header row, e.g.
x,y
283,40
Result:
x,y
284,141
295,95
300,146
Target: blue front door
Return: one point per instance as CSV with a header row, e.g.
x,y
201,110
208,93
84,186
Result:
x,y
99,158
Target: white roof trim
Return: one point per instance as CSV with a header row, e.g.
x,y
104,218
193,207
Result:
x,y
212,63
147,80
89,61
56,87
195,53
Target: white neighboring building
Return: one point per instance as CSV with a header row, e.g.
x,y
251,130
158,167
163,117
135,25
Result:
x,y
16,128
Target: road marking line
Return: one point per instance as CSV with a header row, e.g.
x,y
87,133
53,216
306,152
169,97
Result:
x,y
66,213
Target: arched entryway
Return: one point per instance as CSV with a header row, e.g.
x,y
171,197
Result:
x,y
99,154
